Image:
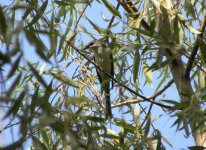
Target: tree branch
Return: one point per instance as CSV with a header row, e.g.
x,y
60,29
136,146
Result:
x,y
130,8
110,23
131,101
153,97
163,89
195,49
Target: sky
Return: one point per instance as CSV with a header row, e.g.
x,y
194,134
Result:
x,y
163,123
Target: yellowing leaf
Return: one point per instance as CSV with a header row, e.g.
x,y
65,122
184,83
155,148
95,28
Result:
x,y
148,74
42,69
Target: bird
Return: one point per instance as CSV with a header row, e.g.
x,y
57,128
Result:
x,y
104,59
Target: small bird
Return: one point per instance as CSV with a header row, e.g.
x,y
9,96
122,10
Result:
x,y
103,58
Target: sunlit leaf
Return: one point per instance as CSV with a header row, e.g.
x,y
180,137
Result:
x,y
148,74
111,8
37,75
79,100
65,80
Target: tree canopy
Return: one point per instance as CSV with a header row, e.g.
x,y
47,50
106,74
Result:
x,y
50,93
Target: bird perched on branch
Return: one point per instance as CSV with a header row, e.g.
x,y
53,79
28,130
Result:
x,y
103,58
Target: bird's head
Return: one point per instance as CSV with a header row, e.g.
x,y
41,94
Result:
x,y
94,44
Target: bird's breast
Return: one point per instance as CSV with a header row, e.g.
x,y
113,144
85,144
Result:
x,y
103,59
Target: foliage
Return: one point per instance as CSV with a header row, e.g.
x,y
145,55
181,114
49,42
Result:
x,y
49,85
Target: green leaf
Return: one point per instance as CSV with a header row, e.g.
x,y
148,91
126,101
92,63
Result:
x,y
39,14
136,65
167,44
124,125
147,126
110,136
96,119
17,103
152,27
14,85
193,30
78,1
3,24
166,141
112,9
201,79
64,79
45,137
155,66
173,102
148,74
161,82
69,2
203,51
185,125
14,66
38,144
36,74
190,28
5,58
190,9
39,46
78,100
96,27
137,111
61,3
58,126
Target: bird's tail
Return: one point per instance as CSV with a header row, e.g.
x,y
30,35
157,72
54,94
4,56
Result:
x,y
108,111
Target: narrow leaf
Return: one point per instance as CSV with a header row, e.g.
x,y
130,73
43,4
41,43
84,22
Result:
x,y
36,74
136,65
111,8
3,24
148,74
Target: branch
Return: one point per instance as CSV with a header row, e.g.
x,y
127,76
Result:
x,y
131,101
130,8
110,23
112,19
154,96
80,17
163,89
195,49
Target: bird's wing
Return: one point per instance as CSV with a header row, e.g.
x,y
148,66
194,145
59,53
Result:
x,y
98,74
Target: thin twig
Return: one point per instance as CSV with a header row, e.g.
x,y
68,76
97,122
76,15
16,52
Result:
x,y
80,17
129,7
110,23
154,97
131,101
163,89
